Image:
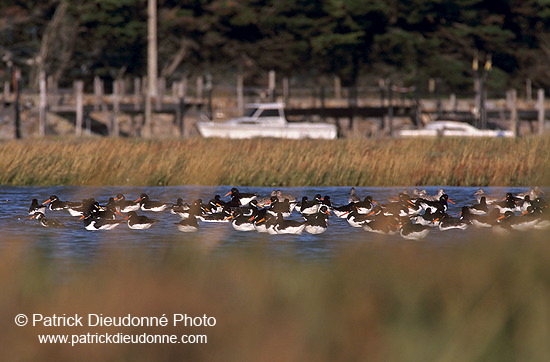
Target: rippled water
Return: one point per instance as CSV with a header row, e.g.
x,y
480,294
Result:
x,y
76,243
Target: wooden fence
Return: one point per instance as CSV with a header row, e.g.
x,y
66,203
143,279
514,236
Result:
x,y
385,101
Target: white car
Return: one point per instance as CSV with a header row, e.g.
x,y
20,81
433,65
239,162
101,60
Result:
x,y
453,129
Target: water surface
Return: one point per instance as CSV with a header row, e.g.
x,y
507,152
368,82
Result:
x,y
74,243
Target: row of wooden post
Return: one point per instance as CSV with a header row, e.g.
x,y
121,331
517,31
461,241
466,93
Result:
x,y
180,87
511,100
179,90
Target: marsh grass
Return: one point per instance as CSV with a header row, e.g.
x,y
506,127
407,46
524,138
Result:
x,y
270,162
483,300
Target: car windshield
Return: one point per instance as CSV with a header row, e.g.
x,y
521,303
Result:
x,y
249,112
270,113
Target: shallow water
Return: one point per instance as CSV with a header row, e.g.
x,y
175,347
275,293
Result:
x,y
74,243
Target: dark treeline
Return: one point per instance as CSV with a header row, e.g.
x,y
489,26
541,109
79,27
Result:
x,y
409,41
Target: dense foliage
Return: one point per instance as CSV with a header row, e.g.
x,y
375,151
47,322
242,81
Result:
x,y
358,40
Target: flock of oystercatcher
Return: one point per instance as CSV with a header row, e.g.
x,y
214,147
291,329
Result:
x,y
412,215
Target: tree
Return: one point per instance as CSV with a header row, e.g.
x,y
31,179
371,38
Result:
x,y
112,37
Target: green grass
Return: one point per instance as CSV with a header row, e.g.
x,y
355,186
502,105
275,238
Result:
x,y
270,162
482,300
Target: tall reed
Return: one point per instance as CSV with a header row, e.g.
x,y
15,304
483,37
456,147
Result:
x,y
271,162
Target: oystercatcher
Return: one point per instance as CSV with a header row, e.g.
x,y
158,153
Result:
x,y
317,223
139,222
411,231
284,226
242,197
149,205
187,225
45,221
36,207
54,204
126,205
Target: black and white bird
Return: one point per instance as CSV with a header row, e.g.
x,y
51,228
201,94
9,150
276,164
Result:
x,y
46,222
55,204
139,222
222,216
481,208
317,223
94,221
507,204
448,222
242,198
243,220
126,206
188,224
275,206
307,207
150,205
284,226
36,207
411,231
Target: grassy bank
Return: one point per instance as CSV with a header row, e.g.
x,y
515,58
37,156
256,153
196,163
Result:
x,y
269,162
479,301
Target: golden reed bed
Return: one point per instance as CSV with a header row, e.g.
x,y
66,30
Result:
x,y
270,162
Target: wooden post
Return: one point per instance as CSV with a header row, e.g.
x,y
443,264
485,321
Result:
x,y
199,91
43,104
137,93
477,90
183,86
160,93
88,126
51,84
180,115
286,90
418,110
528,90
437,92
79,91
209,88
152,55
382,88
352,105
114,129
122,88
322,99
152,69
240,92
271,86
6,90
482,108
540,106
146,130
390,108
98,94
17,91
511,97
337,88
452,102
